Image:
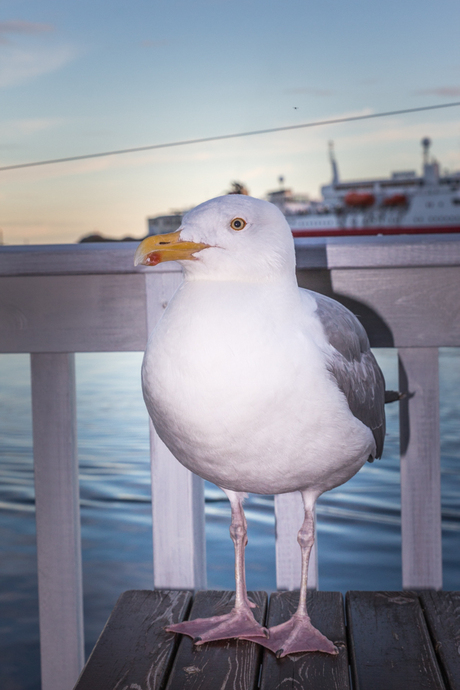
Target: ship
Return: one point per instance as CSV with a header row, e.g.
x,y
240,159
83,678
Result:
x,y
405,203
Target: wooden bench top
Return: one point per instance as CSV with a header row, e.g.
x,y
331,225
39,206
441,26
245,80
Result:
x,y
386,641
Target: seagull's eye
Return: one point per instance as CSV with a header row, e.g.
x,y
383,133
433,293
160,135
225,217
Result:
x,y
238,224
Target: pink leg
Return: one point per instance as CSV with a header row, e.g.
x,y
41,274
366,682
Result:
x,y
298,634
240,621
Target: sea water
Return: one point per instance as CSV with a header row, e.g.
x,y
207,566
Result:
x,y
358,524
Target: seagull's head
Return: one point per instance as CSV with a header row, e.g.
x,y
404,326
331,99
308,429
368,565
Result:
x,y
232,237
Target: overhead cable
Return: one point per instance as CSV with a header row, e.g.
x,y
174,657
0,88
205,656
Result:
x,y
221,137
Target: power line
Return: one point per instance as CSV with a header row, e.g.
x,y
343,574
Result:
x,y
221,137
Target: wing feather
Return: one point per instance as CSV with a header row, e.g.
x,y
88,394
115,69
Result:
x,y
353,365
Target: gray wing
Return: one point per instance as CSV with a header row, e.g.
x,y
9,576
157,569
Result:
x,y
354,366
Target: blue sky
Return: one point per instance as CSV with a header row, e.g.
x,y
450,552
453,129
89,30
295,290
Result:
x,y
81,77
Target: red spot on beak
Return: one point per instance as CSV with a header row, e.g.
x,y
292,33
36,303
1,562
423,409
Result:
x,y
153,259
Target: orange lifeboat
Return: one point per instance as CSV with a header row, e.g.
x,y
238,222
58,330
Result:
x,y
359,200
395,200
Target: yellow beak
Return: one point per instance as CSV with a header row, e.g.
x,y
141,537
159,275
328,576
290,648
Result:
x,y
169,247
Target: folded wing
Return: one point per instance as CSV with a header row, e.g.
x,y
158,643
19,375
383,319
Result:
x,y
353,365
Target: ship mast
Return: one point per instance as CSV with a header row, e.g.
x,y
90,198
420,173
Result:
x,y
335,170
426,143
430,166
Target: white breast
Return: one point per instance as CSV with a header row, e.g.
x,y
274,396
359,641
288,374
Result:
x,y
236,383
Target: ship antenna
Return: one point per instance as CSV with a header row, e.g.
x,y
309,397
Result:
x,y
335,170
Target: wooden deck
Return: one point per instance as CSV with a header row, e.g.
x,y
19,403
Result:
x,y
393,641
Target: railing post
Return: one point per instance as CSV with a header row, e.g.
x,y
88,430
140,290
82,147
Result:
x,y
420,469
179,543
289,516
58,519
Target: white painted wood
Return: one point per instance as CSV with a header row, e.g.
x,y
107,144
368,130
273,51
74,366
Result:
x,y
58,519
403,307
289,516
393,251
74,259
179,543
92,313
312,252
44,313
412,307
420,469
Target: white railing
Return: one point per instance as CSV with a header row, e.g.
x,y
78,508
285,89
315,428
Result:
x,y
58,300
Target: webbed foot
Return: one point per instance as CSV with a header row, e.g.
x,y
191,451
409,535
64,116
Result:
x,y
296,635
238,623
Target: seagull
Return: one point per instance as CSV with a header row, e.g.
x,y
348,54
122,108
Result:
x,y
258,386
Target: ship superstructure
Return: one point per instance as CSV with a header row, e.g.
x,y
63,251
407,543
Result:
x,y
403,203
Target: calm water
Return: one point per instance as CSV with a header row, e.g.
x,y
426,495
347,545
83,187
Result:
x,y
358,524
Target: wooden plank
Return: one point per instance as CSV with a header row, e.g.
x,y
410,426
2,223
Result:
x,y
289,516
179,543
403,307
74,259
389,644
58,519
420,469
415,307
315,671
395,250
442,613
227,664
312,252
179,540
93,313
134,650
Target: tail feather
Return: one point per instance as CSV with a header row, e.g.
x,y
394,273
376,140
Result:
x,y
393,396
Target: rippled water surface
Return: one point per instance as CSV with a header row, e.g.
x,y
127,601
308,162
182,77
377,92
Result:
x,y
358,523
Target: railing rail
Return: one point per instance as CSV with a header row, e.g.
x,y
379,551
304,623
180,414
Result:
x,y
58,300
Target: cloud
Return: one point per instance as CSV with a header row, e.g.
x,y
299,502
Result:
x,y
308,91
443,91
10,129
25,55
18,26
21,64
